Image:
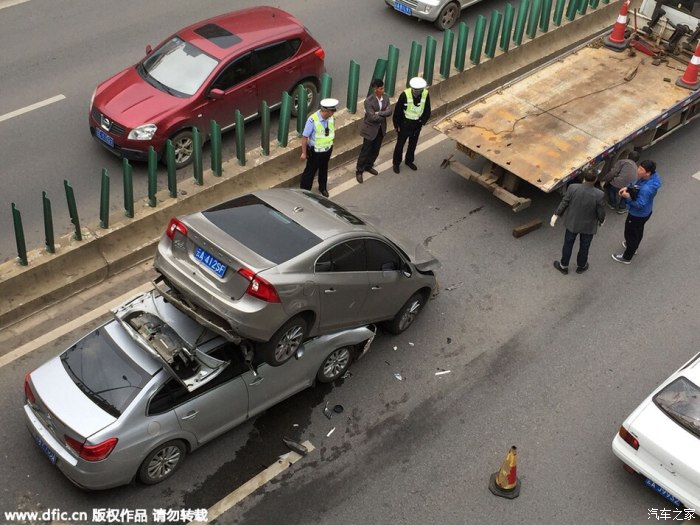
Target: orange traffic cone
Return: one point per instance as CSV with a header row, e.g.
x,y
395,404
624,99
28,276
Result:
x,y
616,39
689,80
505,482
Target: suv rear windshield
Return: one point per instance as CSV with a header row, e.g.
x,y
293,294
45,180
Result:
x,y
103,372
261,228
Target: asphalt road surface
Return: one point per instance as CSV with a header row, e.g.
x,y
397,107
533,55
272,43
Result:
x,y
549,363
56,53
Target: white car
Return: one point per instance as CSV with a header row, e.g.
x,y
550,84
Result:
x,y
443,13
661,439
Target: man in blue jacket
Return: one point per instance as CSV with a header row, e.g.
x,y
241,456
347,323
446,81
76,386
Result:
x,y
639,199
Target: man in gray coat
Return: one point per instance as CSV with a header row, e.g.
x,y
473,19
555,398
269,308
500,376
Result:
x,y
377,109
585,211
622,174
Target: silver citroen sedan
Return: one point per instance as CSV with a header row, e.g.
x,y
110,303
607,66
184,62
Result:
x,y
132,398
277,266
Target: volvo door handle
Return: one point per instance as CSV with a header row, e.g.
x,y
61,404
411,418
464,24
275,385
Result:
x,y
329,290
190,415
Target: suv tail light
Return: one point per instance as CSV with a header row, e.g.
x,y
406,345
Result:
x,y
175,226
320,53
259,287
92,452
28,394
629,438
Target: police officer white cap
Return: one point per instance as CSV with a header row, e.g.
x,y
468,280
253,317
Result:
x,y
329,103
417,83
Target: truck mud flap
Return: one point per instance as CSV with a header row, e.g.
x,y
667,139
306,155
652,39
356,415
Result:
x,y
490,182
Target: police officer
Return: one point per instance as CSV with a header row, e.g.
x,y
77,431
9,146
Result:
x,y
412,111
317,145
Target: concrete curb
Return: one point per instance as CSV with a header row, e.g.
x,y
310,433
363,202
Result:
x,y
50,278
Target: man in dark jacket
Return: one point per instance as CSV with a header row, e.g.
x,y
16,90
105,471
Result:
x,y
411,113
622,174
585,211
640,200
377,109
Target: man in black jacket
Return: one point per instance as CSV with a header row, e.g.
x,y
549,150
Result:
x,y
411,112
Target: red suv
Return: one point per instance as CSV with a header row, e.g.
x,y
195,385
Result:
x,y
205,72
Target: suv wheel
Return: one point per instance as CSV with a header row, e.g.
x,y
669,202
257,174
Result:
x,y
311,97
285,342
183,143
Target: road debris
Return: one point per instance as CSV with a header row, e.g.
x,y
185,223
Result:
x,y
442,372
398,376
327,412
338,409
295,446
396,348
410,344
330,432
454,286
346,375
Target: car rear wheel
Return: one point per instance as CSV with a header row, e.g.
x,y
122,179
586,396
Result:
x,y
183,143
311,97
407,314
335,365
162,463
448,16
285,342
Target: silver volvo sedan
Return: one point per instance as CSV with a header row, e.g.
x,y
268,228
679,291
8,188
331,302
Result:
x,y
132,398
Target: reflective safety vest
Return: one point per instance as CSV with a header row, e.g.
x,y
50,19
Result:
x,y
321,141
413,112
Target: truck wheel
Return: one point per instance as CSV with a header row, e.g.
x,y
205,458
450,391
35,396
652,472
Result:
x,y
407,314
335,365
448,16
285,342
162,462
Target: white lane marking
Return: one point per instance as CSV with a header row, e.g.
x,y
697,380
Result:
x,y
696,176
75,323
340,188
10,3
32,107
227,502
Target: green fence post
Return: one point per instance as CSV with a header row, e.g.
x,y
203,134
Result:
x,y
72,210
414,61
558,12
582,6
478,40
152,176
379,72
546,15
240,131
606,2
48,223
170,168
429,63
127,177
265,128
301,109
571,9
448,38
353,86
326,85
19,236
461,49
285,117
197,170
520,21
533,18
492,38
508,15
104,200
594,4
392,67
215,148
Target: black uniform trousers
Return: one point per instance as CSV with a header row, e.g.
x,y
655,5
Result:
x,y
316,161
634,231
410,131
369,152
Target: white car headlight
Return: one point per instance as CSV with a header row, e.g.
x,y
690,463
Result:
x,y
144,132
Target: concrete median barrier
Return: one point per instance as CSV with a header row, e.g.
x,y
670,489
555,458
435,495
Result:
x,y
76,265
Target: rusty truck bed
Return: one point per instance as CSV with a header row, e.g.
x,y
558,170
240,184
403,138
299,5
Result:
x,y
546,125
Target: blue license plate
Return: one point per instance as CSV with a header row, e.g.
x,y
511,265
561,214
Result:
x,y
660,490
403,8
104,137
210,262
43,446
